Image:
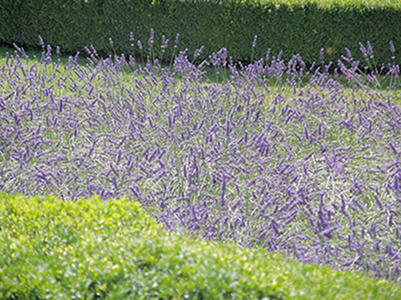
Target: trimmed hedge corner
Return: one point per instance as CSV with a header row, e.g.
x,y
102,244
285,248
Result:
x,y
90,249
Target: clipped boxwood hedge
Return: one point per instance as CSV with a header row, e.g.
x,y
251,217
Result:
x,y
293,26
91,249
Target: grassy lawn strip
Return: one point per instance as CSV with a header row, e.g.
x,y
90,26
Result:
x,y
90,249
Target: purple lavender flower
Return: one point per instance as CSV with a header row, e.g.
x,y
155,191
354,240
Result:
x,y
254,41
349,55
42,43
49,50
164,42
392,49
177,39
296,174
363,50
151,38
198,51
369,50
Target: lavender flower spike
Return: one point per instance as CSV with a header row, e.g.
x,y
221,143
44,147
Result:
x,y
254,41
177,39
392,49
42,43
151,39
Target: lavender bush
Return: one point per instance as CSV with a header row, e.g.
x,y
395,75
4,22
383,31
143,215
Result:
x,y
310,168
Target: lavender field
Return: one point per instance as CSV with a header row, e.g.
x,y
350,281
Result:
x,y
275,154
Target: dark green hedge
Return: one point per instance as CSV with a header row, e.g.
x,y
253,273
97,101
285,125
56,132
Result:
x,y
299,27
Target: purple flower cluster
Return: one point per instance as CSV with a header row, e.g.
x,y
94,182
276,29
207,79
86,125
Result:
x,y
313,170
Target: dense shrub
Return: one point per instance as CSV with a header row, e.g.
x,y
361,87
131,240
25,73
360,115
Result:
x,y
294,27
92,249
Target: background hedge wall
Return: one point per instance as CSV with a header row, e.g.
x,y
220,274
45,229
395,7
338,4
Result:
x,y
295,27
